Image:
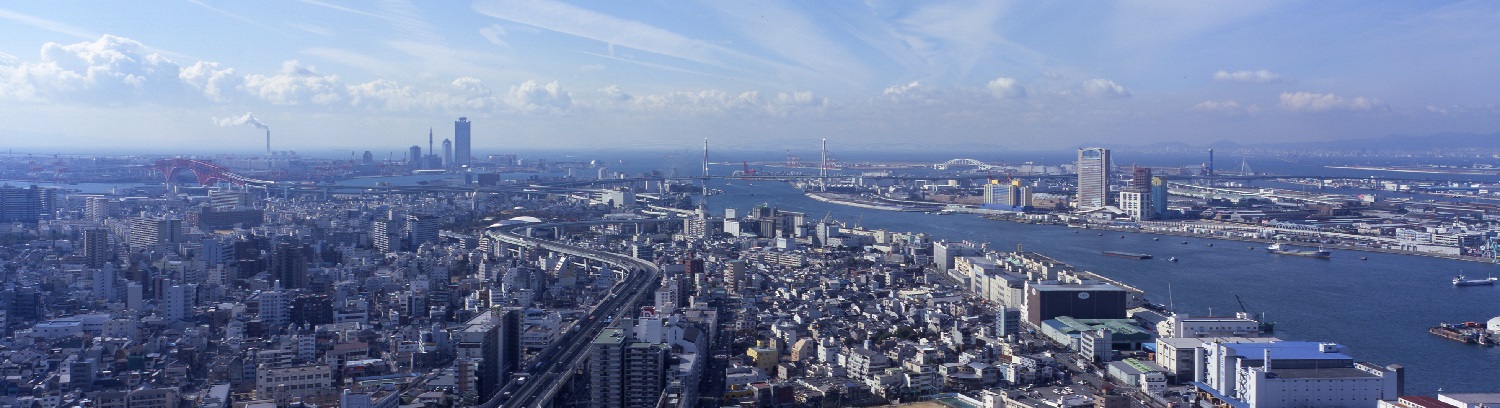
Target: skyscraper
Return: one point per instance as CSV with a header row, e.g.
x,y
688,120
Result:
x,y
414,158
1159,196
625,372
1093,178
96,247
447,153
461,153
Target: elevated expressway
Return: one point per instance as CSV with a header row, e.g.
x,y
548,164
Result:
x,y
549,372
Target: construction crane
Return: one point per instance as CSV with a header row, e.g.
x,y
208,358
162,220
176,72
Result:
x,y
1242,304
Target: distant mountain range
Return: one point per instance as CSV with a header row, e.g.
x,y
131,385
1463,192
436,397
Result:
x,y
1444,141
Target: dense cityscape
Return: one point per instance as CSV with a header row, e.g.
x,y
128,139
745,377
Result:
x,y
447,279
764,204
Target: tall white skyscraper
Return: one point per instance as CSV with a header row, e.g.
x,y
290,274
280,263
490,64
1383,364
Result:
x,y
447,153
1093,178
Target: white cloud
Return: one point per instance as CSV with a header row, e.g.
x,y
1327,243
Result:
x,y
1006,88
1315,102
108,70
495,34
1227,105
1104,88
212,79
296,84
1247,76
532,96
712,102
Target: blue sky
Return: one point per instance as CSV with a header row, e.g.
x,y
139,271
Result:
x,y
1018,75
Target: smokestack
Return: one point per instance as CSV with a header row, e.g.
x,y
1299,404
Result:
x,y
268,140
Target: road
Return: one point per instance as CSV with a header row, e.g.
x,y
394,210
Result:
x,y
549,370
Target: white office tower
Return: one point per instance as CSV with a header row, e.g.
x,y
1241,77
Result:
x,y
1093,178
104,283
177,301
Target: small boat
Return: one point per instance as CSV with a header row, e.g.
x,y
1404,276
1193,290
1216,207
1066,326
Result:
x,y
1099,234
1210,244
1460,280
1156,239
1173,259
1184,242
1364,258
1122,236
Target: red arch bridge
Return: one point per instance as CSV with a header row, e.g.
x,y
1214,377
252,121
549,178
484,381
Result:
x,y
207,172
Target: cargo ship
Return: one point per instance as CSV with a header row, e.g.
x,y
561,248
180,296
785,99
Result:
x,y
1127,254
1470,332
1460,280
1279,249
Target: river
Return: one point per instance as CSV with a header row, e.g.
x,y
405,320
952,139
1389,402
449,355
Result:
x,y
1380,308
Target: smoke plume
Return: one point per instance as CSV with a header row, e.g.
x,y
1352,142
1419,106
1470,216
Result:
x,y
248,118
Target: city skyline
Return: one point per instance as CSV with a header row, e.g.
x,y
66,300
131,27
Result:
x,y
544,74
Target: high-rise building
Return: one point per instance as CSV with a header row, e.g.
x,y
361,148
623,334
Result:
x,y
177,301
289,265
447,153
461,154
497,337
1012,195
104,283
1159,196
1136,204
146,232
26,205
1140,180
625,373
98,208
421,229
96,247
414,157
1093,178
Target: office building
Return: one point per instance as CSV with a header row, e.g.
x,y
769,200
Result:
x,y
289,265
177,301
104,283
1008,196
308,383
147,232
1079,301
1093,178
461,154
1159,196
494,339
414,157
1140,179
421,229
447,153
99,208
26,205
1137,205
96,251
625,373
1294,374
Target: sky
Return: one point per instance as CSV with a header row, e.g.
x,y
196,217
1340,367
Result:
x,y
206,75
